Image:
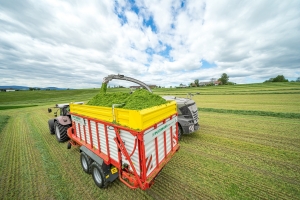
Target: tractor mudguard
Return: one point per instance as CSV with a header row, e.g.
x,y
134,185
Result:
x,y
64,120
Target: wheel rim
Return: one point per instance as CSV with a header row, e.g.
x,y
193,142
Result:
x,y
84,163
97,176
57,132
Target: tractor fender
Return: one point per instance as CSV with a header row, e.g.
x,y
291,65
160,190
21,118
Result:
x,y
63,120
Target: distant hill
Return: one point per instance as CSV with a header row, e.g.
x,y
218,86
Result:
x,y
16,87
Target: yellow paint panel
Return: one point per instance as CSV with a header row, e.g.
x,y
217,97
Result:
x,y
135,119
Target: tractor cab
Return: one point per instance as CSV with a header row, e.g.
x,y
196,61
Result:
x,y
63,109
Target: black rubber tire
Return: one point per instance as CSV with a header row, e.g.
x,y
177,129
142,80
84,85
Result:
x,y
51,126
98,175
61,132
180,132
86,162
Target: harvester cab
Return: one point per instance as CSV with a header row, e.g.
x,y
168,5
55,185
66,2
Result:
x,y
188,119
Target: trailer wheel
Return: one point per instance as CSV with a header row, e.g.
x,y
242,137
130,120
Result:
x,y
98,175
86,162
61,132
51,126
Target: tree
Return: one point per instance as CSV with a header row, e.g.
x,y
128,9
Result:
x,y
298,79
224,78
279,78
197,82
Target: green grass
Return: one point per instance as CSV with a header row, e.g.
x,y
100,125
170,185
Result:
x,y
3,121
15,107
253,112
248,147
241,89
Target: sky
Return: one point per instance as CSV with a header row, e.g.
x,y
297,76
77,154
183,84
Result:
x,y
75,44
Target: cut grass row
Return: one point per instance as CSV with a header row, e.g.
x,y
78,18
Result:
x,y
253,112
15,107
289,103
3,121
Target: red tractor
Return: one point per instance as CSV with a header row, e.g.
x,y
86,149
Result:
x,y
60,124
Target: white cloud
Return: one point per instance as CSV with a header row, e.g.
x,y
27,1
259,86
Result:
x,y
81,42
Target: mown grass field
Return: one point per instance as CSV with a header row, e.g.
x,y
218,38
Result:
x,y
232,156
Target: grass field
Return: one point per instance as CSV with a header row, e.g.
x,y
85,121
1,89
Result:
x,y
232,156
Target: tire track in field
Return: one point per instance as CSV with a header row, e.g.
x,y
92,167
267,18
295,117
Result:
x,y
239,180
8,162
20,170
251,158
31,167
58,169
215,178
238,156
169,186
272,163
254,137
248,167
265,150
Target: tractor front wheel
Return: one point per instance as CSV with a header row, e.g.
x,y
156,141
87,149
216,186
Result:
x,y
61,132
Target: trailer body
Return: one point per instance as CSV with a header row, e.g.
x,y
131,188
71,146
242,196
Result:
x,y
129,144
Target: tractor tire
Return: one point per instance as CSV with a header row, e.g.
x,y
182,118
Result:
x,y
180,132
61,132
51,126
86,162
98,175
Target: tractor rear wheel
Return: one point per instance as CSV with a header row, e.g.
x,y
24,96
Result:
x,y
86,162
98,175
61,132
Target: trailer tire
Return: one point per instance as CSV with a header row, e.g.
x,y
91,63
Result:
x,y
51,126
61,132
86,162
98,175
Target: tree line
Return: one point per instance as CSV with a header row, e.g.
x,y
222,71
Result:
x,y
280,78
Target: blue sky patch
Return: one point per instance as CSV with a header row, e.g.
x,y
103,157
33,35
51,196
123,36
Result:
x,y
182,5
150,23
133,7
207,65
150,51
166,51
120,14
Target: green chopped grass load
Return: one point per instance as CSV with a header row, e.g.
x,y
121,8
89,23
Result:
x,y
103,88
138,100
142,99
107,100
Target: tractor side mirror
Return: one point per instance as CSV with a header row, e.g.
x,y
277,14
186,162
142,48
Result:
x,y
49,110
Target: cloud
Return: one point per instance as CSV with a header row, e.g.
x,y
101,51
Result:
x,y
75,44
